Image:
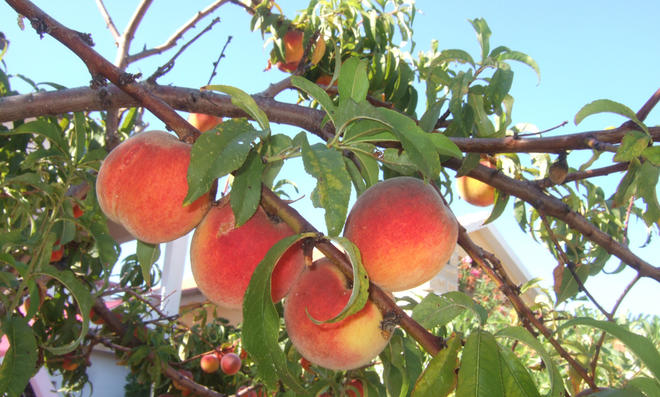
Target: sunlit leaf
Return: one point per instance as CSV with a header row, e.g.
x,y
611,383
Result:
x,y
246,189
608,106
317,93
481,372
19,361
244,101
435,311
632,146
438,379
147,255
353,82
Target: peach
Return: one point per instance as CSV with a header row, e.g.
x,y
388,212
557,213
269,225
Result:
x,y
209,363
230,363
474,191
142,184
294,50
404,231
203,122
57,253
223,256
321,292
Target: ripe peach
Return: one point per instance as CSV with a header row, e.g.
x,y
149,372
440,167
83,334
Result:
x,y
142,183
321,292
294,50
223,257
209,363
230,363
404,231
354,383
57,253
203,122
77,211
474,191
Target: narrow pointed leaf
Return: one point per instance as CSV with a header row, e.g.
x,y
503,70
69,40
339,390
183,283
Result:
x,y
437,311
642,347
521,334
83,298
521,57
45,129
246,189
261,322
501,200
353,82
244,101
608,106
317,93
217,153
444,146
517,381
147,255
633,145
19,361
481,373
438,379
483,35
333,183
430,118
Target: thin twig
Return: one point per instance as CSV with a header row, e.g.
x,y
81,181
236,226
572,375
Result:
x,y
579,175
171,42
126,38
162,70
648,106
217,62
108,21
563,123
563,258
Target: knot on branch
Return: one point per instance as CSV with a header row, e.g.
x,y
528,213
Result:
x,y
87,38
98,81
128,78
40,26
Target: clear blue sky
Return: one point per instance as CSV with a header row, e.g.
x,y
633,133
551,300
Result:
x,y
586,50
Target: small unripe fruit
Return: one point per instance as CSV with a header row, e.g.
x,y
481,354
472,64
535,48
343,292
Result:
x,y
209,363
230,363
404,231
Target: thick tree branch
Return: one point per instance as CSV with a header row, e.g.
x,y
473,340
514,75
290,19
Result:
x,y
100,68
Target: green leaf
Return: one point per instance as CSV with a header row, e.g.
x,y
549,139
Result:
x,y
79,292
648,386
246,188
565,284
147,255
521,334
521,57
517,381
638,344
360,289
317,93
353,82
244,101
333,183
648,175
429,119
483,35
437,311
356,176
652,154
20,361
628,184
104,243
395,375
632,146
218,153
368,164
46,129
79,135
499,86
437,380
481,373
485,128
501,200
627,392
445,146
452,55
470,161
261,322
421,150
608,106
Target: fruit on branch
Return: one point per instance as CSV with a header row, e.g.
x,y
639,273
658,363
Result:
x,y
69,363
77,211
203,122
57,253
184,390
404,231
321,292
474,191
230,363
142,184
209,363
352,385
294,48
223,256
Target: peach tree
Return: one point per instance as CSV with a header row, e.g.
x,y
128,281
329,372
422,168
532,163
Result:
x,y
369,112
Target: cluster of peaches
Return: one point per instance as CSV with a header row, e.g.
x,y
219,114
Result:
x,y
402,227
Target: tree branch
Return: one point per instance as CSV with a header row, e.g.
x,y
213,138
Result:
x,y
171,42
100,68
127,38
108,21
